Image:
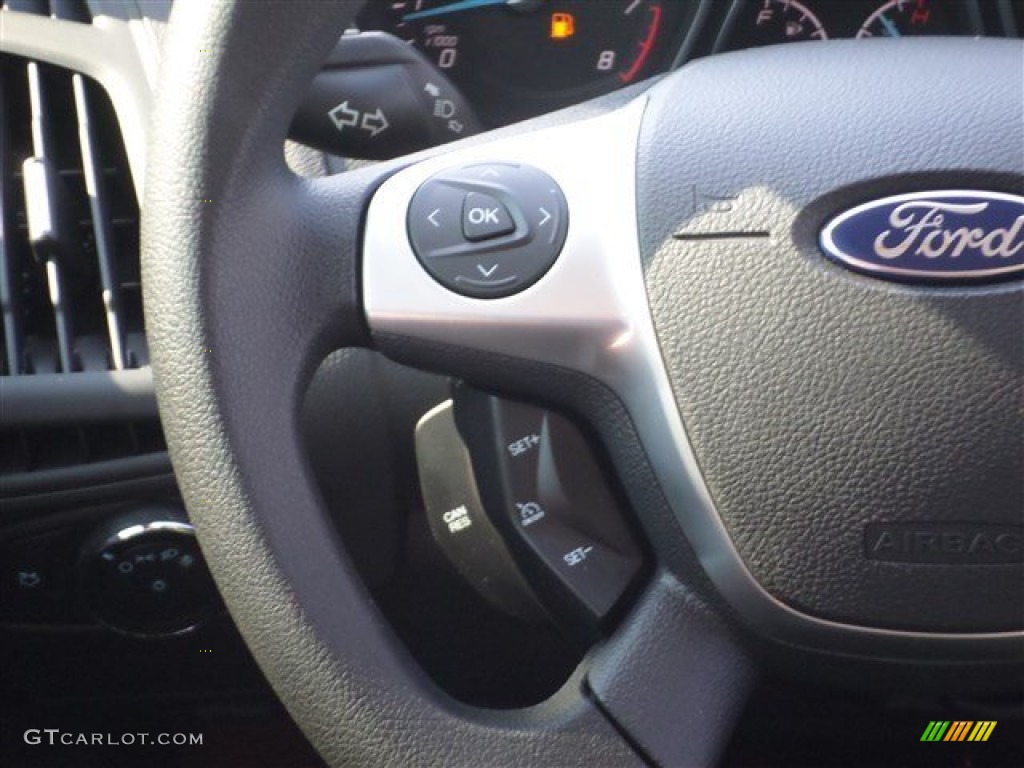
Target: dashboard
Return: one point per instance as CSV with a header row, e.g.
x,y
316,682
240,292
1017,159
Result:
x,y
438,70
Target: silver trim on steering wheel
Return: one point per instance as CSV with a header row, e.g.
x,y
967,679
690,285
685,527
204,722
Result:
x,y
590,313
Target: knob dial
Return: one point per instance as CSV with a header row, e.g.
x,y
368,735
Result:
x,y
143,574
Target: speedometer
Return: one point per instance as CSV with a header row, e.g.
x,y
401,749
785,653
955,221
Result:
x,y
516,58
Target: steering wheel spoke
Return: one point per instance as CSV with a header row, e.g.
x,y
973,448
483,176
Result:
x,y
587,312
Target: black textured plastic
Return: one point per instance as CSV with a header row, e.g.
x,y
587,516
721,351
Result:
x,y
821,401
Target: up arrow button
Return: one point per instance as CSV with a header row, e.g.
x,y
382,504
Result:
x,y
485,217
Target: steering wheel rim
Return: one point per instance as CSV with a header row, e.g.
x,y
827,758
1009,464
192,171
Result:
x,y
251,276
342,674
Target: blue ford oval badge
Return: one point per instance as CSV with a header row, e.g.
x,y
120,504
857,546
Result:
x,y
950,235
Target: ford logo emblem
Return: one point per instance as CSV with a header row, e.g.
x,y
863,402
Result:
x,y
947,236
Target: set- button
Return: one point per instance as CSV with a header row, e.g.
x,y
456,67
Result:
x,y
488,230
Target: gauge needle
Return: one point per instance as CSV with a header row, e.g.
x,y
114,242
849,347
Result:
x,y
462,5
890,26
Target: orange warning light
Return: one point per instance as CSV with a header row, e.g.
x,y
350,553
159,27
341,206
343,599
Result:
x,y
563,25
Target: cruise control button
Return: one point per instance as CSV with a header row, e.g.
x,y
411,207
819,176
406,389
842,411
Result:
x,y
547,493
457,518
485,217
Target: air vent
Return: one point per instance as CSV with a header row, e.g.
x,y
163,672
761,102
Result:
x,y
38,449
69,224
67,10
77,409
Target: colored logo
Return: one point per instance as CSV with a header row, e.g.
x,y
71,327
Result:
x,y
959,730
942,236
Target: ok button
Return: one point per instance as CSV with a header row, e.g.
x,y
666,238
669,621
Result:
x,y
484,217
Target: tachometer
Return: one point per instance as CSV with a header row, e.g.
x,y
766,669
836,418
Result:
x,y
516,58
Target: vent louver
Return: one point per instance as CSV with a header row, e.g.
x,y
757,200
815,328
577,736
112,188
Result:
x,y
46,448
76,401
69,227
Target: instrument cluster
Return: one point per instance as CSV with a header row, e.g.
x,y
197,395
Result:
x,y
414,73
753,23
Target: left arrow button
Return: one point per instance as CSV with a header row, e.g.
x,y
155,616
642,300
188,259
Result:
x,y
435,226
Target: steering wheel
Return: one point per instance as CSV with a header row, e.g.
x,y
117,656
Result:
x,y
826,463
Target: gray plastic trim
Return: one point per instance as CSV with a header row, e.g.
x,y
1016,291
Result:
x,y
121,476
83,397
590,313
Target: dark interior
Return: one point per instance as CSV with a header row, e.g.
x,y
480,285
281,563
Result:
x,y
84,465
